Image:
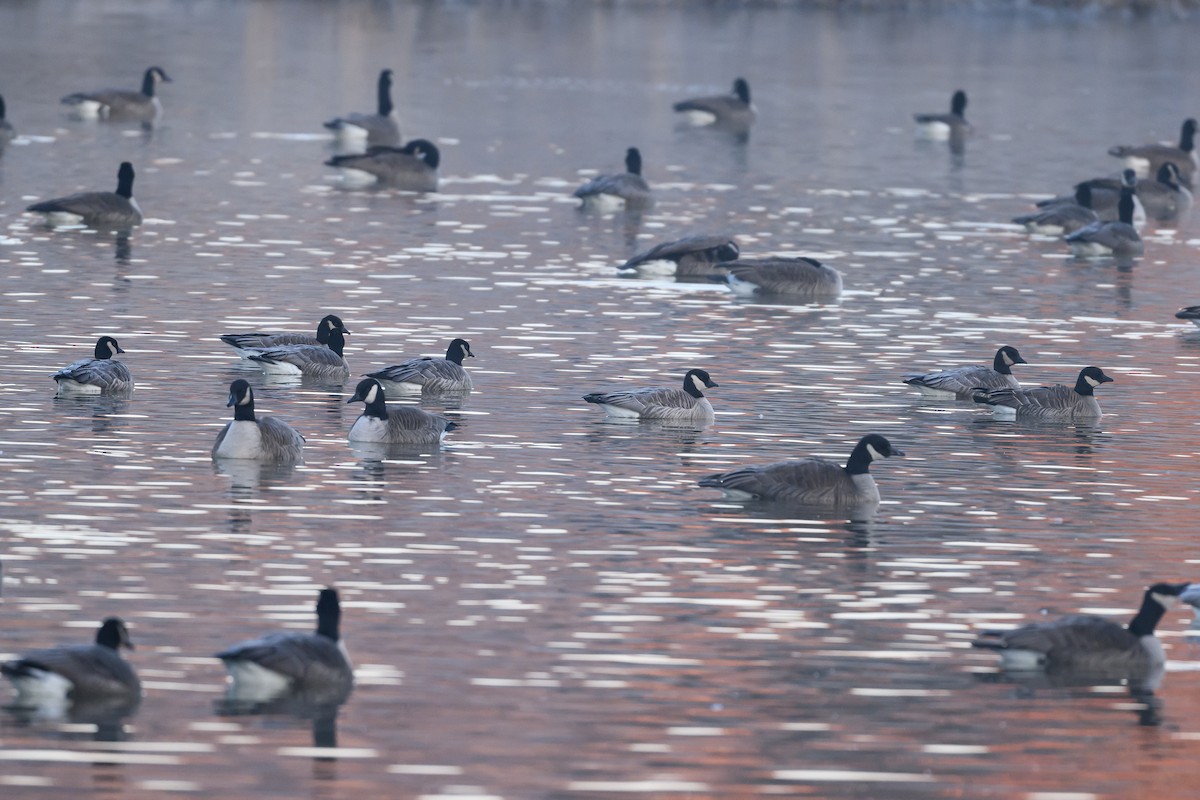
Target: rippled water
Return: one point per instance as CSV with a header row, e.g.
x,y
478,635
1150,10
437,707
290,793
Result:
x,y
550,607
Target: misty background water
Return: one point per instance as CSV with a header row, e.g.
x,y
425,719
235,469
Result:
x,y
550,607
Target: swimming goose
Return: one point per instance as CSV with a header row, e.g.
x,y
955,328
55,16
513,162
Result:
x,y
395,425
311,360
1083,643
1165,198
247,344
380,128
1148,158
945,126
800,277
96,209
687,405
810,481
961,382
76,672
429,375
292,662
7,131
1105,197
728,109
412,167
1118,238
1190,313
1063,216
1048,402
258,438
101,374
693,255
627,189
121,104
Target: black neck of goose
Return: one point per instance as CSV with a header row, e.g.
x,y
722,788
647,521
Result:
x,y
633,163
859,462
376,408
336,341
1000,365
1083,387
385,96
742,90
1147,617
148,83
329,617
125,183
1187,138
109,635
1125,206
958,104
102,351
689,386
244,412
1083,195
454,354
1167,178
3,110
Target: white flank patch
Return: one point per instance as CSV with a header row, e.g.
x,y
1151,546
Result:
x,y
357,177
255,683
938,131
68,387
1020,660
619,413
1090,249
42,688
740,287
658,267
604,202
697,117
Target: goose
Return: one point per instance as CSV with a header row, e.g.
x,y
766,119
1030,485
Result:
x,y
283,663
412,167
1190,313
427,374
311,360
1118,238
945,126
76,672
624,190
690,256
1105,197
961,382
121,104
687,405
1062,216
1058,402
100,374
1147,159
247,344
734,108
1082,643
96,209
258,438
397,425
380,128
810,481
7,131
1165,198
800,277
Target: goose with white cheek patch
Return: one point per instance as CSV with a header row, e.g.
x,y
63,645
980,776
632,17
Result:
x,y
1190,313
1119,239
626,189
380,128
249,436
961,383
734,108
308,360
1062,215
1104,197
1148,158
1058,402
801,277
95,209
691,256
76,673
404,425
685,406
120,104
248,344
1165,198
413,168
428,374
101,374
1088,644
945,126
283,663
812,481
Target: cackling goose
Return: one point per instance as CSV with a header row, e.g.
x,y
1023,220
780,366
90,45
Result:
x,y
101,374
76,672
407,425
1056,402
960,383
1165,198
685,406
96,209
1147,159
798,277
247,344
292,662
734,108
690,256
429,375
258,438
121,104
310,360
1104,195
1063,215
945,126
380,128
810,481
412,167
1119,239
1082,643
627,189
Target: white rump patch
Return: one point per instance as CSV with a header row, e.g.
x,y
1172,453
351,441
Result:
x,y
1021,660
937,131
66,387
255,683
697,117
357,177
